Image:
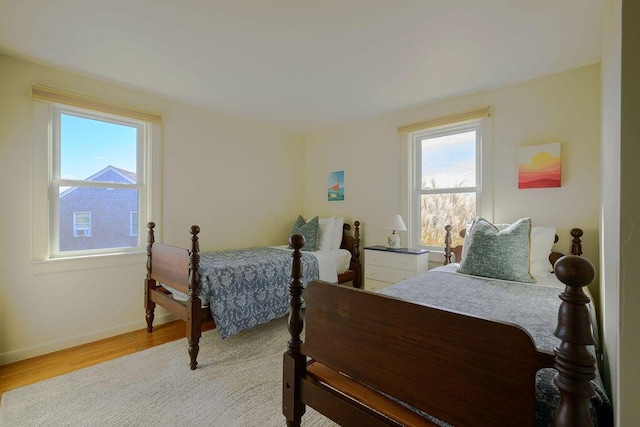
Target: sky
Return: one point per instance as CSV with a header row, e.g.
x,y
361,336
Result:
x,y
89,146
450,160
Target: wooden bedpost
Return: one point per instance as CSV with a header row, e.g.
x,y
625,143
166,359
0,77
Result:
x,y
576,243
294,361
357,282
194,318
447,245
149,305
575,364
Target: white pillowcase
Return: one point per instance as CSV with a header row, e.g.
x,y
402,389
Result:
x,y
336,233
542,240
325,233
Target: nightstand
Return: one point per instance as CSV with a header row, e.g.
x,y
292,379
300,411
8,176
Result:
x,y
385,266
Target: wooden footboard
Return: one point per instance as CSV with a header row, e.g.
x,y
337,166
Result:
x,y
177,268
460,369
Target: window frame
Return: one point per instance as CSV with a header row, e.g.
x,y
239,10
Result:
x,y
45,197
412,190
56,181
134,231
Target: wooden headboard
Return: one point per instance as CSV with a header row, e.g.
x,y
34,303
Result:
x,y
352,244
456,251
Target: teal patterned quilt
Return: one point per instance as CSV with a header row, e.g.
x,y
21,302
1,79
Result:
x,y
247,287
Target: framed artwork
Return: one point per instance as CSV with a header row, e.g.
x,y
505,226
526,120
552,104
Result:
x,y
539,166
335,186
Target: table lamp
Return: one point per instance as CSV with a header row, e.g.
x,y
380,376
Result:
x,y
394,223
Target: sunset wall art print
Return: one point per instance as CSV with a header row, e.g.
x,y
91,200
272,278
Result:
x,y
539,166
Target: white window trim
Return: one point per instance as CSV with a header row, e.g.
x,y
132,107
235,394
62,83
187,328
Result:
x,y
55,180
484,206
42,225
131,229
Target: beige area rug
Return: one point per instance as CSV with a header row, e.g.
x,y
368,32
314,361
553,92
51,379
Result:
x,y
237,383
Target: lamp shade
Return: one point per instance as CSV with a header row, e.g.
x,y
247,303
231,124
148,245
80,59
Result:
x,y
395,223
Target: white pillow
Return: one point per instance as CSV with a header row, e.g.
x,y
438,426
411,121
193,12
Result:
x,y
542,240
336,238
325,233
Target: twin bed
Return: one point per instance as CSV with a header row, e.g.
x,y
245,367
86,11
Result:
x,y
443,348
446,348
236,290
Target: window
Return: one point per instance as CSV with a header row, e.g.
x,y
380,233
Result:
x,y
82,224
99,179
447,184
448,172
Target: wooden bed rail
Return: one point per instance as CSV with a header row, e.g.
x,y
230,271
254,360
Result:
x,y
344,335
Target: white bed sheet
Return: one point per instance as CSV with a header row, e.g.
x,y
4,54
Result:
x,y
331,262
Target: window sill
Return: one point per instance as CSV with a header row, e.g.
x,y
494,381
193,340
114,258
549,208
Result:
x,y
63,265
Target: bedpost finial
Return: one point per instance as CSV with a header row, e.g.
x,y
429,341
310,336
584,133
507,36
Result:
x,y
151,225
576,243
296,241
576,366
194,229
574,271
447,244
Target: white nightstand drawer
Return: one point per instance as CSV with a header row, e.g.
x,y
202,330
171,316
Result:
x,y
392,260
384,267
375,285
385,274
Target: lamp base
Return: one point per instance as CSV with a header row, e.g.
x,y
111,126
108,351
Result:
x,y
393,241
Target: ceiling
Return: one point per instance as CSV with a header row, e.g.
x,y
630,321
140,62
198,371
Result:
x,y
305,66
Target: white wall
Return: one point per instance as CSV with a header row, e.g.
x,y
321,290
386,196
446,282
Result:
x,y
239,181
564,108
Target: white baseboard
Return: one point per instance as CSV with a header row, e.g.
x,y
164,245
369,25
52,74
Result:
x,y
51,346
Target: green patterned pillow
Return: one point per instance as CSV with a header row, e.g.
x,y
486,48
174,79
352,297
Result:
x,y
498,254
309,230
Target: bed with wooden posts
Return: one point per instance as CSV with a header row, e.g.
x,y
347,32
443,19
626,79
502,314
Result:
x,y
235,290
377,360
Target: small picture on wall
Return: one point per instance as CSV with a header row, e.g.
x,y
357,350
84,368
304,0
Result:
x,y
539,166
335,186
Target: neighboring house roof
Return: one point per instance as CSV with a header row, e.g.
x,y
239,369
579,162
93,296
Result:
x,y
129,177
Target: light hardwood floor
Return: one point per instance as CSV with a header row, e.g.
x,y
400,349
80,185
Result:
x,y
36,369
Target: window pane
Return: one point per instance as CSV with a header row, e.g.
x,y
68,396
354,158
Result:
x,y
103,215
97,150
438,210
449,161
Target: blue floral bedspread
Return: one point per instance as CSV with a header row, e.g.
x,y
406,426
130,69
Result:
x,y
531,306
248,287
